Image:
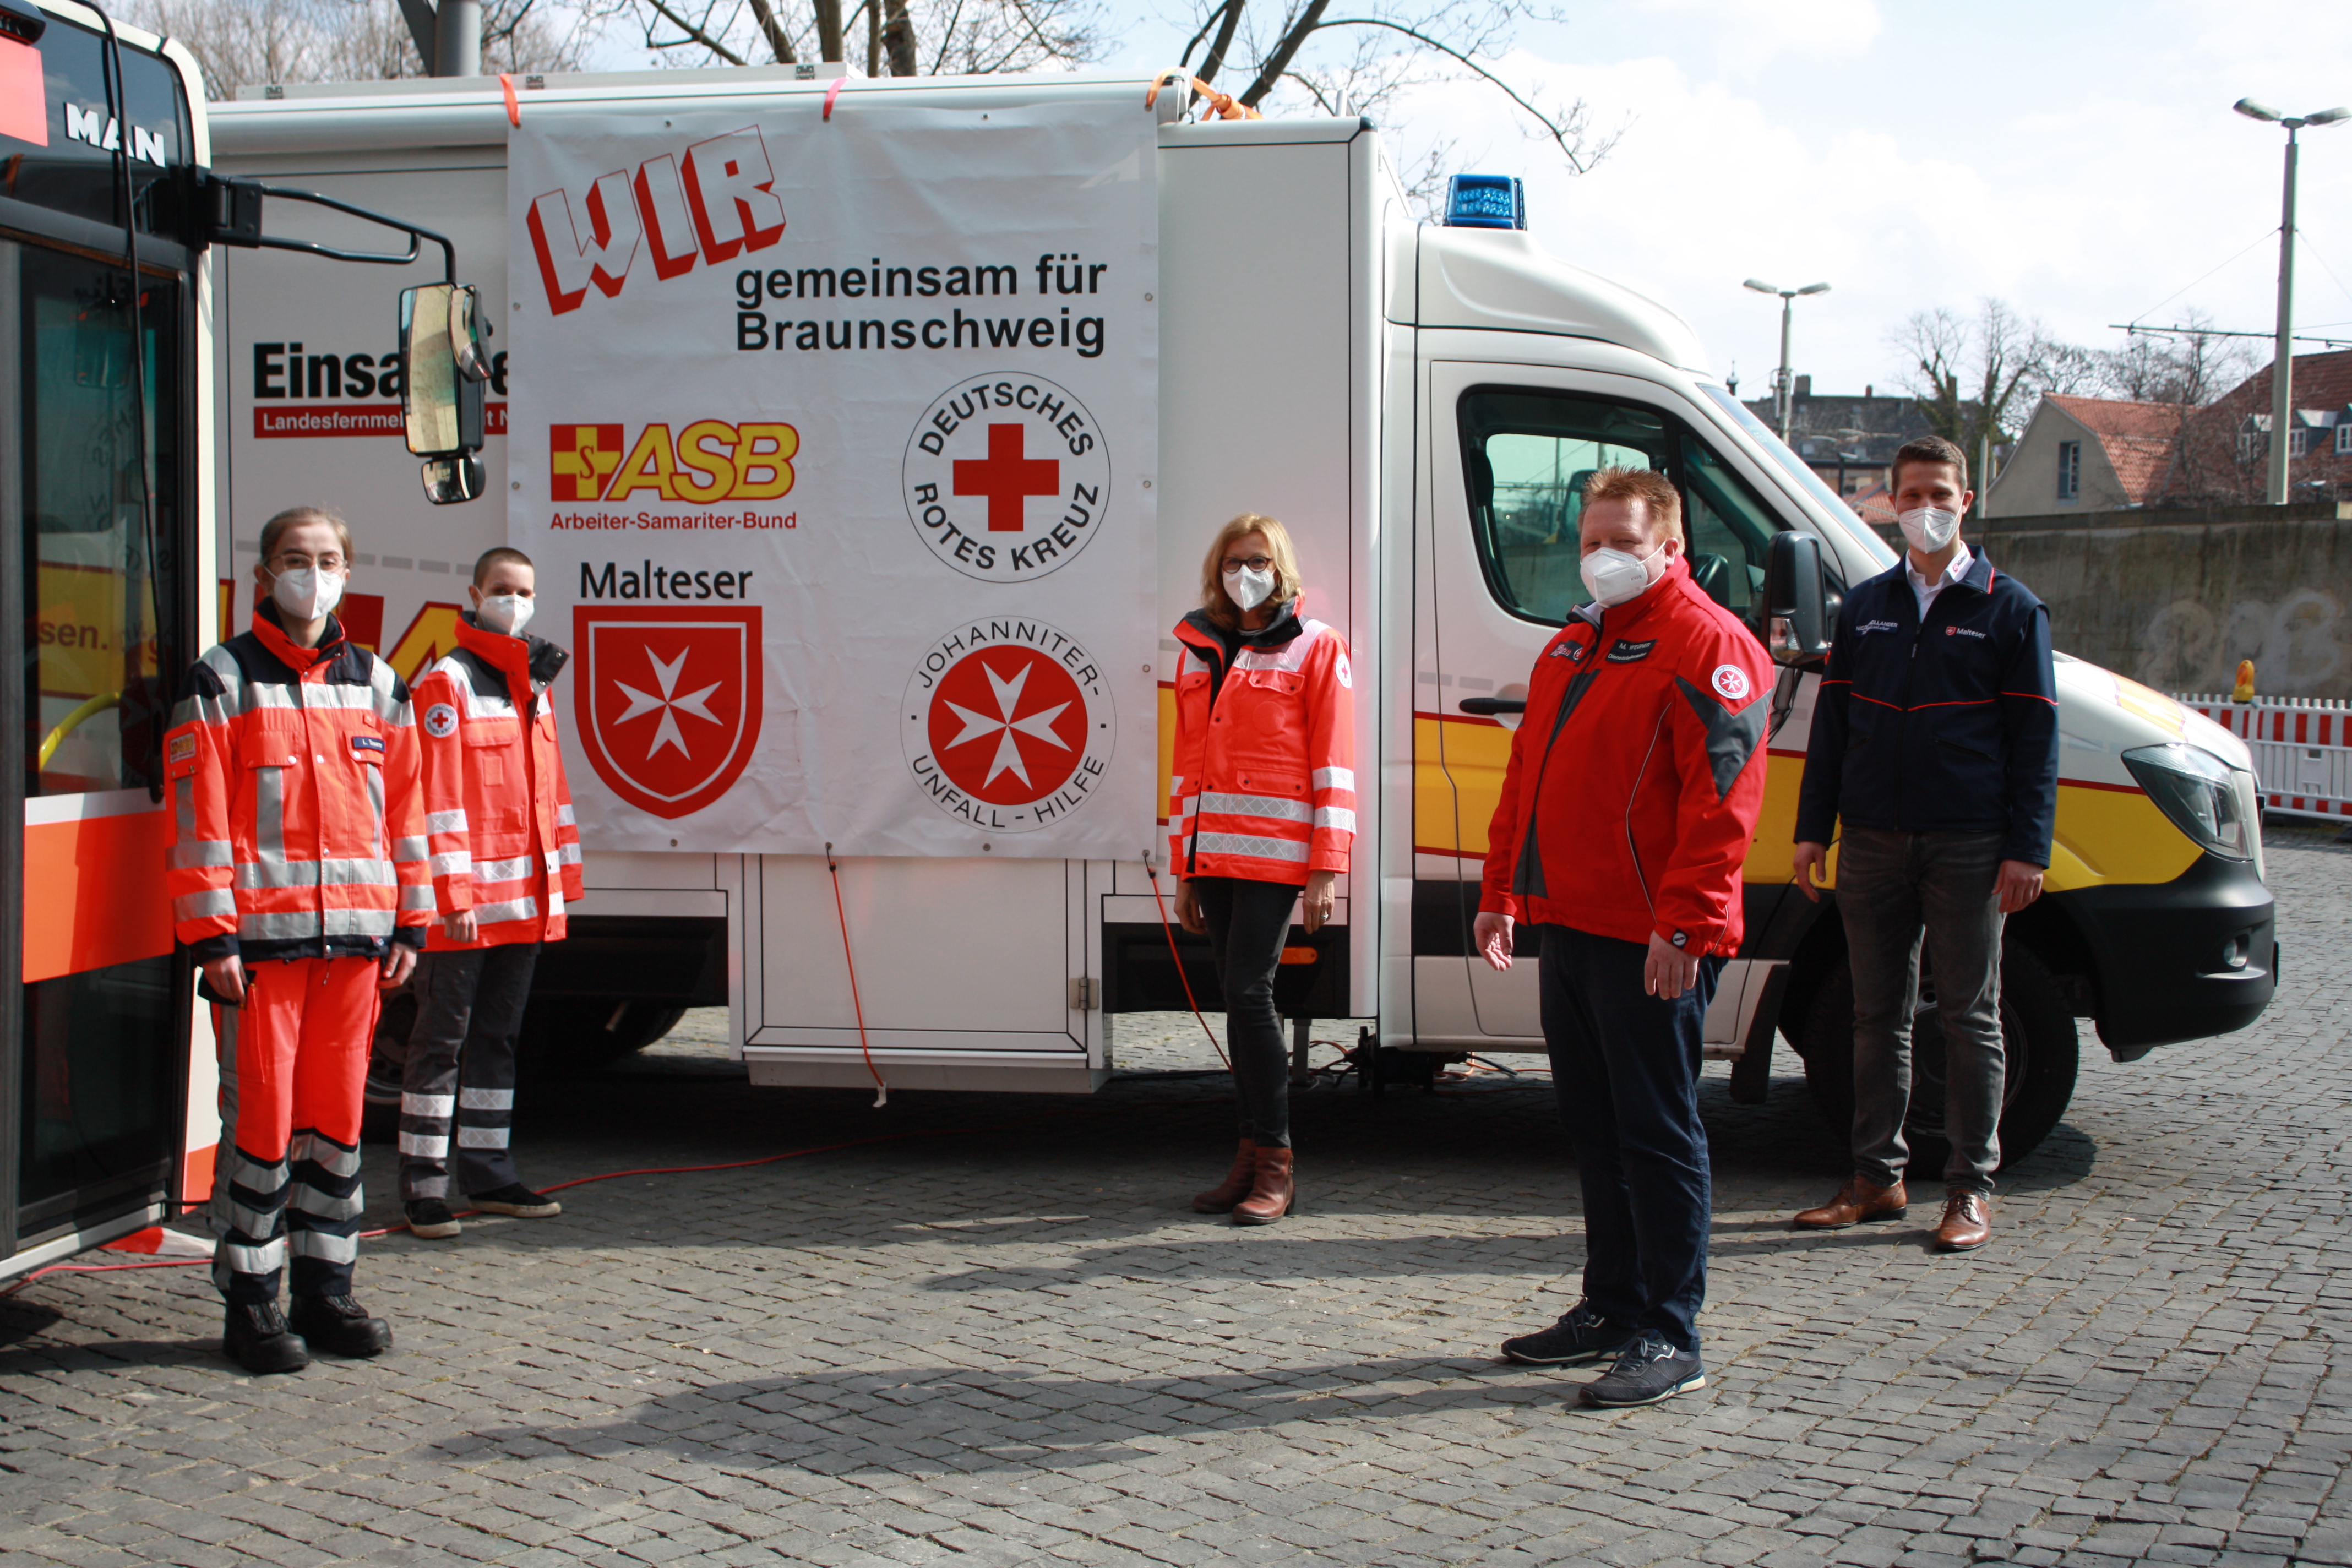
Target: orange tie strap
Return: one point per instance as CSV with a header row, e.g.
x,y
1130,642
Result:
x,y
514,104
1222,105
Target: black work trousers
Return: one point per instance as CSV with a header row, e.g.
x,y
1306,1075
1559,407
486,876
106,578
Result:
x,y
1248,922
459,1080
1624,1065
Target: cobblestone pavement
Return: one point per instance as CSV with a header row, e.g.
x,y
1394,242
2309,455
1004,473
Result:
x,y
998,1338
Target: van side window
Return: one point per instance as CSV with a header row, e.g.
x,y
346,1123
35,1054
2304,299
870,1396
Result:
x,y
1526,455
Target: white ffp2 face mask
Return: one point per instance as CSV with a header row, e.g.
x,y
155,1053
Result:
x,y
1249,589
505,613
1612,576
306,593
1929,528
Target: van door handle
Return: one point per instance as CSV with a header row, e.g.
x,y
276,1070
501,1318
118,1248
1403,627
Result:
x,y
1487,707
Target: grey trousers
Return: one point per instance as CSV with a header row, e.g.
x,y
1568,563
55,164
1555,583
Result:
x,y
1892,888
459,1078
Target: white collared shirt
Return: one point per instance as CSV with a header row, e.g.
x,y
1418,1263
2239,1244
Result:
x,y
1925,591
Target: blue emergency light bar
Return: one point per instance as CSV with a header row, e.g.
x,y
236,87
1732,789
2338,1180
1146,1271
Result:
x,y
1486,201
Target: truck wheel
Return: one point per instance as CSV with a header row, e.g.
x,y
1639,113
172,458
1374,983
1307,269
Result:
x,y
584,1032
2037,1035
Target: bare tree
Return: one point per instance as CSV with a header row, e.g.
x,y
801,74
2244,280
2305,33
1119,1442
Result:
x,y
950,38
242,42
2190,367
1975,378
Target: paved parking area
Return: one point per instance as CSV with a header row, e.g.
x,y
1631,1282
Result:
x,y
997,1338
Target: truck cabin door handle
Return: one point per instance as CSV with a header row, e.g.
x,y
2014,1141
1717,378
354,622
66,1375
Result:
x,y
1487,707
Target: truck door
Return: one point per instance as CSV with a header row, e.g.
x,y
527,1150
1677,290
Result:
x,y
1509,448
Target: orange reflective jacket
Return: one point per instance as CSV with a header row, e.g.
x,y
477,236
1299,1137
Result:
x,y
497,808
298,825
1264,779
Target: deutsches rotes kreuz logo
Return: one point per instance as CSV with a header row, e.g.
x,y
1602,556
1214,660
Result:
x,y
1006,477
1008,724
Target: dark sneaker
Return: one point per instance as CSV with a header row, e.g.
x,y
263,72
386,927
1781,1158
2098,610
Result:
x,y
339,1325
430,1218
518,1200
257,1339
1648,1370
1583,1338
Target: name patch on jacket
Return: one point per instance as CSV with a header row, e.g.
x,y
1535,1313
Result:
x,y
1869,627
1964,632
367,744
1625,652
1571,651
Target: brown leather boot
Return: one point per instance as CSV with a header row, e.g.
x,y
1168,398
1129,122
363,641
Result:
x,y
1221,1198
1859,1199
1967,1222
1273,1191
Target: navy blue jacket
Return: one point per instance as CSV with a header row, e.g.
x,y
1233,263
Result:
x,y
1946,727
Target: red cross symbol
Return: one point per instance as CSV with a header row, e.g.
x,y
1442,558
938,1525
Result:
x,y
1007,479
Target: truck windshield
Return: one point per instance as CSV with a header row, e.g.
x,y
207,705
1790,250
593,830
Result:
x,y
1777,451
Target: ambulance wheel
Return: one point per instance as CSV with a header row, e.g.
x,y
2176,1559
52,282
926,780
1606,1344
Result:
x,y
2037,1038
589,1032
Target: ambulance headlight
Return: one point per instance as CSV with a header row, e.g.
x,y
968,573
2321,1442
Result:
x,y
2203,796
1486,201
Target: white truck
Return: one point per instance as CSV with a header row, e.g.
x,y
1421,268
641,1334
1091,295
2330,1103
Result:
x,y
1420,402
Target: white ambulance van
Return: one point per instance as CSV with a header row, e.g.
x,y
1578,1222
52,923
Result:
x,y
1420,402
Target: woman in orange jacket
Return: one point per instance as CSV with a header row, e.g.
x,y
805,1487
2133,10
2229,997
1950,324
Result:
x,y
1261,811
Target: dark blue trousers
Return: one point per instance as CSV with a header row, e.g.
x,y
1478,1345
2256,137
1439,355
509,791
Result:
x,y
1625,1067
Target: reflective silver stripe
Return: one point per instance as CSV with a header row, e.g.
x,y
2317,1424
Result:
x,y
269,813
482,1137
451,863
444,822
1176,786
415,897
1280,807
269,1257
1251,846
486,1098
253,1175
409,848
277,928
503,870
512,910
198,906
439,1105
189,853
1335,778
1291,657
315,697
564,817
324,1244
424,1145
374,922
1337,817
326,1153
284,873
375,801
255,1222
569,855
311,1201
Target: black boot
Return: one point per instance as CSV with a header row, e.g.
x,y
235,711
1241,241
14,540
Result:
x,y
256,1339
339,1326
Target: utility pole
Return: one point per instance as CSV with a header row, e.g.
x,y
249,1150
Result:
x,y
2283,360
1784,385
449,37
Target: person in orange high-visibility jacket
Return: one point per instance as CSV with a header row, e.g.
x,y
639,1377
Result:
x,y
298,881
1261,814
506,864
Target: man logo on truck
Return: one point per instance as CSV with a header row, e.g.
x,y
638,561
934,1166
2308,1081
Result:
x,y
1006,477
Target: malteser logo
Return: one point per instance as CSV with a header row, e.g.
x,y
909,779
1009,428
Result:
x,y
708,462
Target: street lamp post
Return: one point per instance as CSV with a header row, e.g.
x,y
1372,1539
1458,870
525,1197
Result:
x,y
1783,385
2283,363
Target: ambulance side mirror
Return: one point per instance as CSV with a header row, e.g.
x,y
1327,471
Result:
x,y
1796,598
441,332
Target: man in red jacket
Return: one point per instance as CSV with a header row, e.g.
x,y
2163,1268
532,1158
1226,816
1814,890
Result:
x,y
505,863
1628,806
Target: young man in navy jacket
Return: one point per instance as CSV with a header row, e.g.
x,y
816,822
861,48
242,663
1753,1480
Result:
x,y
1935,747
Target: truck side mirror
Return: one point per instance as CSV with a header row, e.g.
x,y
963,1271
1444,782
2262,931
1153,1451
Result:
x,y
1796,598
441,394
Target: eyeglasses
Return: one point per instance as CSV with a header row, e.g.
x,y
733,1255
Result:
x,y
1254,564
295,561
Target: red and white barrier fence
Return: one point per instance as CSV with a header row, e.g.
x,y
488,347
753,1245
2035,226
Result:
x,y
2302,746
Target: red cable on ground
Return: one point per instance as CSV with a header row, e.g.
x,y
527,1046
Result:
x,y
1178,960
882,1091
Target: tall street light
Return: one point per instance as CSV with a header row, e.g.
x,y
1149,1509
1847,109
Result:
x,y
1783,385
2282,365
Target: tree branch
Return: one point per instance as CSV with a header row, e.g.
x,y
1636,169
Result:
x,y
779,41
1581,161
1215,59
1270,73
696,35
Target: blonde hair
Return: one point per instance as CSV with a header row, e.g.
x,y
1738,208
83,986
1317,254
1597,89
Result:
x,y
294,516
1214,597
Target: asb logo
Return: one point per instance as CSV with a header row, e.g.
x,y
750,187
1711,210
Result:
x,y
1006,477
669,701
1008,724
709,460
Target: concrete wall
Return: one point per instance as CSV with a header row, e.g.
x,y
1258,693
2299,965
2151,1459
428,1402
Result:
x,y
2175,598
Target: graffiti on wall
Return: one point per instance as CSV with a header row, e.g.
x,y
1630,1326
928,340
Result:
x,y
2297,644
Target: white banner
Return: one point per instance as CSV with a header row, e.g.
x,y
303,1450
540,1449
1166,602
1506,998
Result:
x,y
833,441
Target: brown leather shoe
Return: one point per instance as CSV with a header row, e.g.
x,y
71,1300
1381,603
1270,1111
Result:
x,y
1967,1222
1221,1198
1859,1199
1271,1194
